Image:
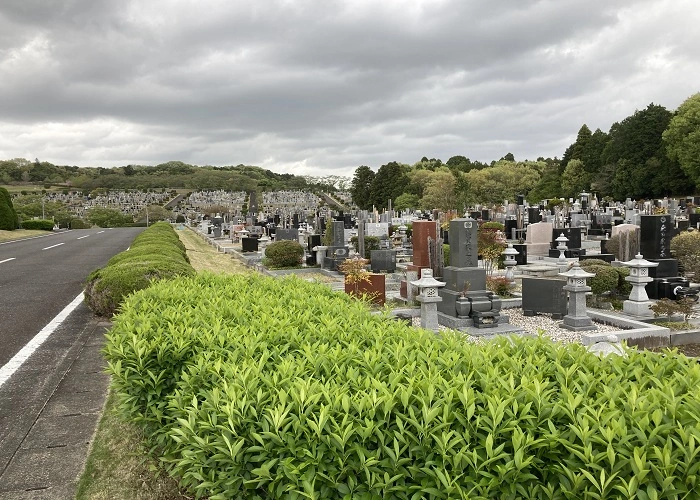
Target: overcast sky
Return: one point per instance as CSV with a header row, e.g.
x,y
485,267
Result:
x,y
318,87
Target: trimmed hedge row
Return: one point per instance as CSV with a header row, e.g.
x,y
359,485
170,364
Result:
x,y
254,388
41,224
155,254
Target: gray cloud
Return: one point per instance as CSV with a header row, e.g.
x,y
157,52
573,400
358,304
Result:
x,y
318,87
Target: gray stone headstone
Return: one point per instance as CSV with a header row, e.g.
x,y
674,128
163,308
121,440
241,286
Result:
x,y
383,260
286,234
377,229
464,250
338,233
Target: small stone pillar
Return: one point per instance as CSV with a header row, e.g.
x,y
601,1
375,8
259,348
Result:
x,y
638,303
428,298
562,248
320,255
509,262
577,319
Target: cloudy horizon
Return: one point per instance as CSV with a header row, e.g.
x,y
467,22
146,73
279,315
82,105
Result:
x,y
315,87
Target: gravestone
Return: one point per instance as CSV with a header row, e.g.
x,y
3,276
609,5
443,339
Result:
x,y
465,282
655,238
338,228
249,244
538,238
383,260
286,234
542,295
533,215
572,233
379,229
422,230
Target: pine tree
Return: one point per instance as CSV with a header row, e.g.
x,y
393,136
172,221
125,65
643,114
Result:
x,y
8,216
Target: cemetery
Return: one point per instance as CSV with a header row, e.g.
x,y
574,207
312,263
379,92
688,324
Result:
x,y
286,367
546,263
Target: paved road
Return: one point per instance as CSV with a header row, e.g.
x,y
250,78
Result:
x,y
50,406
40,276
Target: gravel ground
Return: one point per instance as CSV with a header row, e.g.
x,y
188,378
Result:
x,y
533,324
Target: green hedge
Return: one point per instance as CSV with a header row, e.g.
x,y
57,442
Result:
x,y
155,254
257,388
40,224
79,224
8,215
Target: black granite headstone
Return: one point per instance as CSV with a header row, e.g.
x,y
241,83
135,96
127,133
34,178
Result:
x,y
694,220
541,295
655,238
509,226
249,244
573,233
521,258
533,215
313,240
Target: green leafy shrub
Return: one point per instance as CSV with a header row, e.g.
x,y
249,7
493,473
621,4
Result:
x,y
284,253
293,391
686,248
79,224
153,255
8,216
499,285
371,243
40,224
446,254
605,280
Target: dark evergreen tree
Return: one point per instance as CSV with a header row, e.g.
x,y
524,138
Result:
x,y
8,216
389,183
361,187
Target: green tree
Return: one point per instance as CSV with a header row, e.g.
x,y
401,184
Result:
x,y
154,213
682,138
575,179
8,216
361,187
108,217
389,183
440,191
406,201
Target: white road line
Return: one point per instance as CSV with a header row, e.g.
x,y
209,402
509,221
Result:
x,y
98,232
7,260
83,237
54,246
23,355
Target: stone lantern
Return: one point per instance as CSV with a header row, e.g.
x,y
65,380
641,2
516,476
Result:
x,y
509,262
638,303
562,240
577,319
428,298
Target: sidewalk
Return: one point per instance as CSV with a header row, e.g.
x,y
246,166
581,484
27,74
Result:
x,y
49,411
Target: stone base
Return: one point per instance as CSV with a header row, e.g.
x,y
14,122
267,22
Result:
x,y
462,323
577,324
638,309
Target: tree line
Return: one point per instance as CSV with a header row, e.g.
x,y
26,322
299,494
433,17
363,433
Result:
x,y
172,174
651,154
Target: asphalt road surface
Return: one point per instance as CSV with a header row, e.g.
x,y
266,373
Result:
x,y
41,276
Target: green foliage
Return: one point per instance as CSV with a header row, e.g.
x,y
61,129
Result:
x,y
499,285
446,254
361,187
686,248
389,183
371,243
153,255
606,278
293,391
286,253
79,224
406,201
108,217
668,307
8,216
682,138
40,224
